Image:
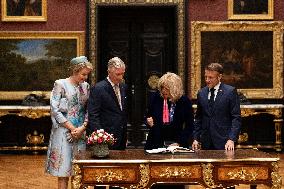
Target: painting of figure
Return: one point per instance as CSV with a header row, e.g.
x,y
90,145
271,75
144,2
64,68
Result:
x,y
247,57
24,7
250,52
251,6
24,10
250,9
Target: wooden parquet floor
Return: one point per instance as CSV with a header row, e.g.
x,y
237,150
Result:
x,y
27,172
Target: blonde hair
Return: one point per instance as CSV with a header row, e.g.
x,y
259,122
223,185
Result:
x,y
75,68
174,83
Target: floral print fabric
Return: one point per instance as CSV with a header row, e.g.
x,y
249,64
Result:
x,y
60,152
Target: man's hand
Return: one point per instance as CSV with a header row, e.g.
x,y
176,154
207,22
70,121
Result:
x,y
229,145
195,145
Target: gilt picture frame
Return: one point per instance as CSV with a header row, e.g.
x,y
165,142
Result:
x,y
31,61
250,52
24,10
250,9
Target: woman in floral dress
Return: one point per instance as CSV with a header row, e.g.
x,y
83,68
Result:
x,y
68,102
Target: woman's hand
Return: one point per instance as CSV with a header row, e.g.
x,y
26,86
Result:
x,y
195,145
77,132
150,121
69,126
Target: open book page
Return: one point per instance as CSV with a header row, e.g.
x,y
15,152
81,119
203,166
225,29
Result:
x,y
170,149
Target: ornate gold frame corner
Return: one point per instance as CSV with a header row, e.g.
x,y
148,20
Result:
x,y
6,18
233,16
276,27
180,11
78,35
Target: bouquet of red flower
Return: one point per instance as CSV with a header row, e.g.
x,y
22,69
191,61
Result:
x,y
100,137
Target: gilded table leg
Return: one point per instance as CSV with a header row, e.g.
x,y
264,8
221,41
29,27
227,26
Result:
x,y
208,176
77,179
144,177
276,178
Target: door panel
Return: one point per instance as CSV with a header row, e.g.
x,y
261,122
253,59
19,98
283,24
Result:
x,y
147,46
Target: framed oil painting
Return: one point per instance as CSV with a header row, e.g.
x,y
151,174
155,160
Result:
x,y
30,62
24,10
250,52
250,9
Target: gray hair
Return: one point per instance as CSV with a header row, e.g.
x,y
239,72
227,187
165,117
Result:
x,y
115,62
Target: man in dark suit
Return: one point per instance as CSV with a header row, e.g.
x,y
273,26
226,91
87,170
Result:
x,y
218,118
107,104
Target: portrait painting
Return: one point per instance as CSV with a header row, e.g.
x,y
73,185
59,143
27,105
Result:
x,y
250,9
24,10
247,52
33,61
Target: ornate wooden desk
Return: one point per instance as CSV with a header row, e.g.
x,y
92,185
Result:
x,y
212,169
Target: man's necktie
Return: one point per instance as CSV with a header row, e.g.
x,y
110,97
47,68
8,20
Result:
x,y
116,90
212,95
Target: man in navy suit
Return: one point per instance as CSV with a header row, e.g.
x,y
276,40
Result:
x,y
107,104
218,116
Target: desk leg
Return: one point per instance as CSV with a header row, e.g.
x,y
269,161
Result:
x,y
278,127
77,178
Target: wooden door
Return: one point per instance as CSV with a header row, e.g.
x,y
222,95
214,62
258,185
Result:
x,y
145,39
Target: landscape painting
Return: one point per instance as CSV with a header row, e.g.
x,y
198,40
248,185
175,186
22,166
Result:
x,y
33,61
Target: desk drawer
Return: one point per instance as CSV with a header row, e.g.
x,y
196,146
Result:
x,y
108,174
176,171
243,173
